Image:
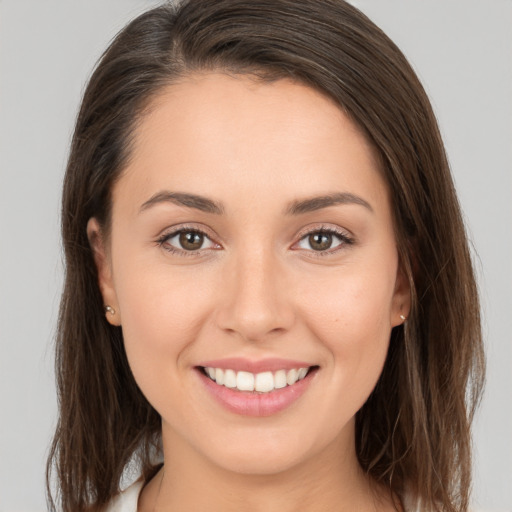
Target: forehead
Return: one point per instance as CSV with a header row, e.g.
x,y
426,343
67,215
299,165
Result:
x,y
212,132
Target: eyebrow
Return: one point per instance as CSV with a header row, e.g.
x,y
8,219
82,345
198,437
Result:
x,y
182,199
297,207
319,202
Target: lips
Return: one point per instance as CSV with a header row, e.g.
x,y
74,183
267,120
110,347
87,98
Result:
x,y
259,388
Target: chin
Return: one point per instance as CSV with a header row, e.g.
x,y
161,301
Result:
x,y
267,453
258,463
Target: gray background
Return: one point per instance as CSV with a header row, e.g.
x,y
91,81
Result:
x,y
461,50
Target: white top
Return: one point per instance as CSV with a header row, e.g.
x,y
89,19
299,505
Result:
x,y
128,499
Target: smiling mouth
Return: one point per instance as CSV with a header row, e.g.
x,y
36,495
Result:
x,y
263,382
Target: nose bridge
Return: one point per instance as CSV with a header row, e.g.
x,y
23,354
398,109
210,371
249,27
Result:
x,y
256,302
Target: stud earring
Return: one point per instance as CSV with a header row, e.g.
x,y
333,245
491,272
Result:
x,y
110,309
402,317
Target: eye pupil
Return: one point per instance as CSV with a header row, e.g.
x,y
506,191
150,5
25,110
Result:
x,y
191,240
320,241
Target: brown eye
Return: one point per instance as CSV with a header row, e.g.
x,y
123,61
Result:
x,y
191,240
320,241
187,241
325,241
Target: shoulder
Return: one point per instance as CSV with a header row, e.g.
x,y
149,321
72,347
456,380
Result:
x,y
127,500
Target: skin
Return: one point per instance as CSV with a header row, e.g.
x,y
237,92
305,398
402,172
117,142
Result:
x,y
257,289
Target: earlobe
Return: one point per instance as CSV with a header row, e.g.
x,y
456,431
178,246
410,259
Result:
x,y
104,269
401,299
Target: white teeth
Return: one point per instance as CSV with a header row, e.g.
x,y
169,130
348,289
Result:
x,y
219,376
292,376
230,379
263,382
244,381
302,373
280,379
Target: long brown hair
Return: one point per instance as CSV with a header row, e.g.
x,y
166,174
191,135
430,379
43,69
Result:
x,y
414,430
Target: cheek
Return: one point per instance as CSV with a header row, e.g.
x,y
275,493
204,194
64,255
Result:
x,y
349,300
350,316
162,312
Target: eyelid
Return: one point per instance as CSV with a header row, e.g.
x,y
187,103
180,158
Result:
x,y
173,231
344,235
326,228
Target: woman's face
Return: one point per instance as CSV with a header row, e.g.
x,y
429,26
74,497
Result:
x,y
252,236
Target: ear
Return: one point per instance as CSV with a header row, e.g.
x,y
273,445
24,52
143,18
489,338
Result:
x,y
104,268
401,306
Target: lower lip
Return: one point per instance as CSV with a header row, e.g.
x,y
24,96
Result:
x,y
257,404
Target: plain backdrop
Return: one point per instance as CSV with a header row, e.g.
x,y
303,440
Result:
x,y
461,50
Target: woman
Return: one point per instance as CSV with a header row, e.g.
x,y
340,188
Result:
x,y
268,281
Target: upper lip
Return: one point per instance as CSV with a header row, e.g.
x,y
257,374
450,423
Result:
x,y
263,365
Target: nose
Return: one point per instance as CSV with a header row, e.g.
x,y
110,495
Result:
x,y
255,301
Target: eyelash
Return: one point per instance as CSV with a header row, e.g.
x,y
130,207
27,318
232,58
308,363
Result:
x,y
327,230
343,236
181,252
